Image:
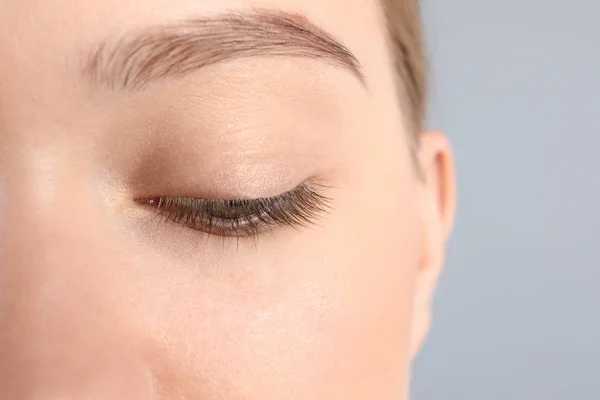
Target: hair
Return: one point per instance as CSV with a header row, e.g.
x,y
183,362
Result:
x,y
403,18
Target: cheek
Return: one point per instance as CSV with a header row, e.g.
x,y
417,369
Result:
x,y
319,313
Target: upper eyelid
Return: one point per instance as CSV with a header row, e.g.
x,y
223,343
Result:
x,y
306,184
300,206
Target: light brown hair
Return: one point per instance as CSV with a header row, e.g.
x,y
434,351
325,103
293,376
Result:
x,y
403,19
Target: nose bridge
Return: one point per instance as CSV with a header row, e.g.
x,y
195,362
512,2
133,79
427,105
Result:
x,y
61,335
49,251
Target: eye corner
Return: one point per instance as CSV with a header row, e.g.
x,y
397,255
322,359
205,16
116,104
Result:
x,y
147,201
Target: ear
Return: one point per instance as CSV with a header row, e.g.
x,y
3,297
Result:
x,y
437,198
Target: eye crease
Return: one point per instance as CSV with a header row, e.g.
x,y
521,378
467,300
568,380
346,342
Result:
x,y
298,207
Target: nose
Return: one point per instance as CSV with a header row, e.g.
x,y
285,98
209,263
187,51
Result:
x,y
64,331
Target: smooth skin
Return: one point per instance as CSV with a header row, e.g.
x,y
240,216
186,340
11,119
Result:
x,y
101,300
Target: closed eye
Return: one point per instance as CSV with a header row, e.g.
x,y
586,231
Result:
x,y
298,207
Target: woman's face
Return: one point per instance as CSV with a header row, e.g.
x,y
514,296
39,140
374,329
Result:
x,y
122,275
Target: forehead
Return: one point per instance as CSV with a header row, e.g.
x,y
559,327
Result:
x,y
45,35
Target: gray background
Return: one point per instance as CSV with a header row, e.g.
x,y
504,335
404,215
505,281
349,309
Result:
x,y
517,88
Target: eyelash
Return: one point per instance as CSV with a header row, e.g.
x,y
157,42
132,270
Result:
x,y
298,207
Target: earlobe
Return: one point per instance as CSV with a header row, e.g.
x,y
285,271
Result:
x,y
437,207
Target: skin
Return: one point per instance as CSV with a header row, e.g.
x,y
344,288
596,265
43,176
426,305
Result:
x,y
101,300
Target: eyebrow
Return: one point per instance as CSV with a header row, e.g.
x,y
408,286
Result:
x,y
171,51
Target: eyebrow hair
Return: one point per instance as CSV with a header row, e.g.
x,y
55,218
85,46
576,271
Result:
x,y
172,51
